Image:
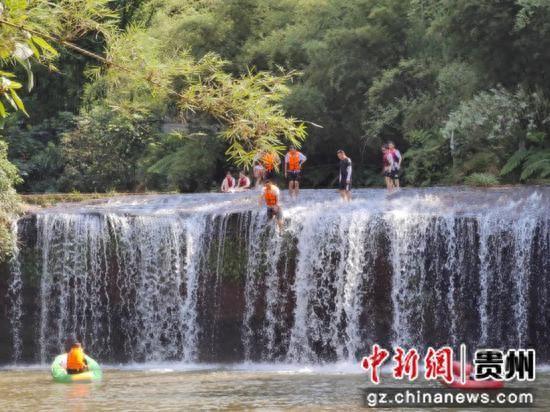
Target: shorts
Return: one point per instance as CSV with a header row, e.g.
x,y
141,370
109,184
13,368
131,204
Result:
x,y
269,174
293,176
394,174
271,213
343,185
388,174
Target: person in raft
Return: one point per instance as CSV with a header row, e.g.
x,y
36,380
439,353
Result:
x,y
387,168
270,196
269,161
294,160
344,182
244,182
396,157
228,183
76,361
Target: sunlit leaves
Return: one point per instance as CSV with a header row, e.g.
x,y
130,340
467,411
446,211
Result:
x,y
27,30
146,77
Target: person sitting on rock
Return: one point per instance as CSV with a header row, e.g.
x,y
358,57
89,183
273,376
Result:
x,y
244,181
228,184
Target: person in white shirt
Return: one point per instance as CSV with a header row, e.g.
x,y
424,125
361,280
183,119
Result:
x,y
396,158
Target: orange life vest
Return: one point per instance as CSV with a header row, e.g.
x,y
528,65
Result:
x,y
269,161
270,197
294,161
75,359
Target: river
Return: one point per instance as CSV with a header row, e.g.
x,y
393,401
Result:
x,y
179,387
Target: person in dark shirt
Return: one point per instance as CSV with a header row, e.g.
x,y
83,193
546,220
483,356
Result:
x,y
344,183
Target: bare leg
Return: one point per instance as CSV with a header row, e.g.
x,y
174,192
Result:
x,y
389,184
296,188
348,195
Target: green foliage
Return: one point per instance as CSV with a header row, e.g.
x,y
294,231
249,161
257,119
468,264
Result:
x,y
152,80
183,163
459,85
35,151
428,161
481,180
27,30
9,202
102,153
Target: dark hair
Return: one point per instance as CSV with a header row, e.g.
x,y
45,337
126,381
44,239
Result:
x,y
340,151
266,181
390,142
291,147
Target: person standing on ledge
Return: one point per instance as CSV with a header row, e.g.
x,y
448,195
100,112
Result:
x,y
387,167
259,174
270,196
228,184
345,175
294,161
269,162
397,158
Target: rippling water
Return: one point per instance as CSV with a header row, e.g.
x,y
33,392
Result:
x,y
175,387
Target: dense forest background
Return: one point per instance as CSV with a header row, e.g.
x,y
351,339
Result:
x,y
461,86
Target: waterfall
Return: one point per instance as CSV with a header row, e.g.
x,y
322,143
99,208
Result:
x,y
15,297
207,278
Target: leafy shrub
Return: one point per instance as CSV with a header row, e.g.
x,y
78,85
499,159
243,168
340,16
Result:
x,y
481,179
9,202
183,163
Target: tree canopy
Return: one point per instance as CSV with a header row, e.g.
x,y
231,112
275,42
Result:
x,y
459,85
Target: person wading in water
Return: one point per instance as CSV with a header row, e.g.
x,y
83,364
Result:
x,y
270,196
344,184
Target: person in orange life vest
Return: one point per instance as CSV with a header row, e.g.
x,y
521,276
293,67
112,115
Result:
x,y
270,161
76,360
244,182
293,166
228,184
270,196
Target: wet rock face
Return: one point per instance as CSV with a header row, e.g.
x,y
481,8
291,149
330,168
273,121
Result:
x,y
208,279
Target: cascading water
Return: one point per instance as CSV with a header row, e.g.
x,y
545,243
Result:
x,y
205,278
15,297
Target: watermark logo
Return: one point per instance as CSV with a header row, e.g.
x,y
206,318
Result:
x,y
440,364
480,384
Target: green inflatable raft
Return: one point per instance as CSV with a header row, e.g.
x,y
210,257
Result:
x,y
59,373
